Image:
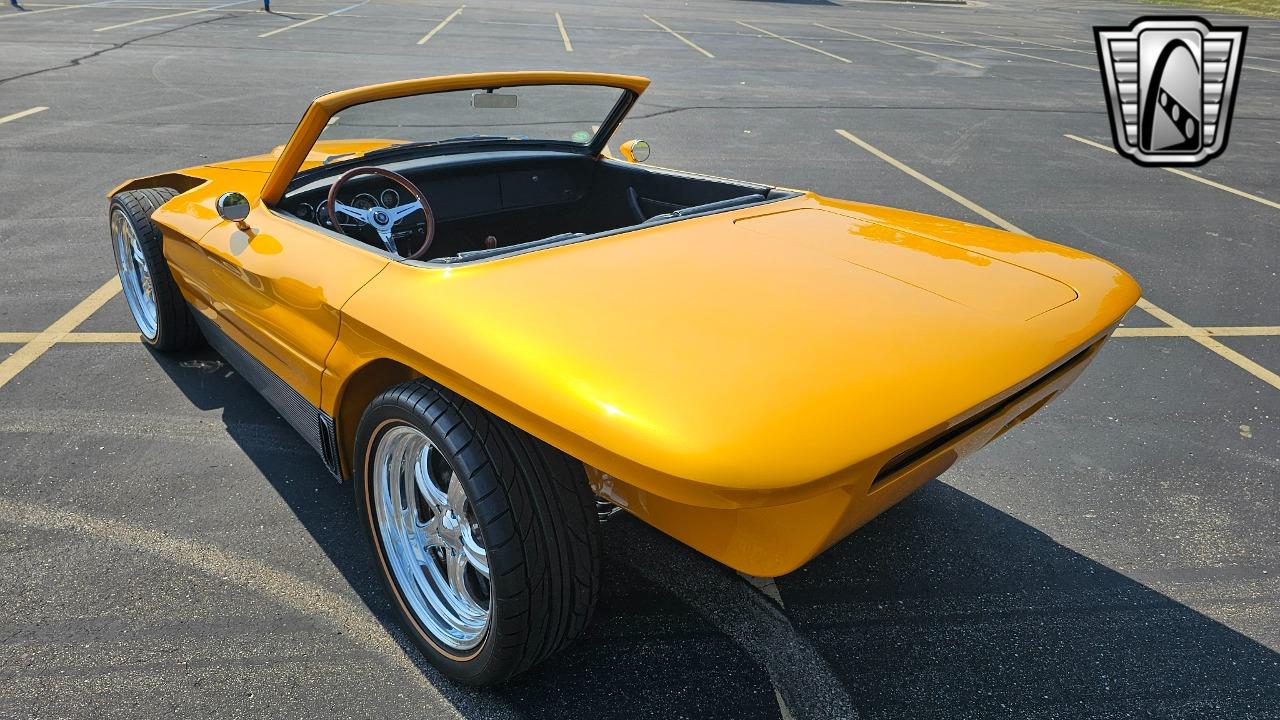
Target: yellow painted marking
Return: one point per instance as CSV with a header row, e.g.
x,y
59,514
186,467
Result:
x,y
1241,361
1189,176
932,183
74,337
993,49
568,46
1238,331
679,37
903,47
795,42
440,27
298,24
14,116
1261,69
1149,307
101,337
40,344
170,15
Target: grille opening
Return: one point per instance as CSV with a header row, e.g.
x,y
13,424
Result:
x,y
911,455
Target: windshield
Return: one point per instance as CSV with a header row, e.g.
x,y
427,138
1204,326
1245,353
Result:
x,y
561,113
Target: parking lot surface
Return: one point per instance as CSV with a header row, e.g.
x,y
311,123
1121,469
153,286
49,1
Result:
x,y
170,548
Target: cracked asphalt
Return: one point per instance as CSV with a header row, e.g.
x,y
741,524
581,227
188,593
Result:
x,y
169,547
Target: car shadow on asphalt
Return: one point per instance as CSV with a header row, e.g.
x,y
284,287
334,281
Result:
x,y
942,607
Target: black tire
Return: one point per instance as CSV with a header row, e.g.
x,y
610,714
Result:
x,y
175,328
536,515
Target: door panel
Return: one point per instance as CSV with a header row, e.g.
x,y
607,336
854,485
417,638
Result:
x,y
276,290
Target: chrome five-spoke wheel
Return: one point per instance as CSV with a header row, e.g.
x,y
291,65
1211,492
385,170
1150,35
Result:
x,y
431,538
487,537
135,275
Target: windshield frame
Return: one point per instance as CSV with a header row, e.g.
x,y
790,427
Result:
x,y
288,164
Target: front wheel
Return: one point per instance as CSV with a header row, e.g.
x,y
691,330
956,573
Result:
x,y
153,297
488,538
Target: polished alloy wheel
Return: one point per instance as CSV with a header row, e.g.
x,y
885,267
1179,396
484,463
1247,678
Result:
x,y
431,539
135,275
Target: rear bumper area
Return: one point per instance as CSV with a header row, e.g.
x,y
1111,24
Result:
x,y
775,540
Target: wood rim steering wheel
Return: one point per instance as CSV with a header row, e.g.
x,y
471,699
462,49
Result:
x,y
383,219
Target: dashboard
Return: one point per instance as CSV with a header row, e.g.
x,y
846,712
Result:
x,y
457,187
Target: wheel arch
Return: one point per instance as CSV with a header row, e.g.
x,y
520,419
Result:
x,y
354,396
179,182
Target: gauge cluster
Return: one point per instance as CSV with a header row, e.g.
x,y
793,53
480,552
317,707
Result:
x,y
316,212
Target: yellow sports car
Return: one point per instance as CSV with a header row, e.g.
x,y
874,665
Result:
x,y
499,334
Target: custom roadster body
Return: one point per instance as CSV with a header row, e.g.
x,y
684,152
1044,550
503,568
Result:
x,y
487,334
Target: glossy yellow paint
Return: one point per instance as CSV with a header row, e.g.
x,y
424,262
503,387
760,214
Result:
x,y
738,380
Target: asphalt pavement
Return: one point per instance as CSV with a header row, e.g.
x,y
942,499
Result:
x,y
170,548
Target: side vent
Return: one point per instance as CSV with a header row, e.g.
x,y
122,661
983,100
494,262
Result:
x,y
329,444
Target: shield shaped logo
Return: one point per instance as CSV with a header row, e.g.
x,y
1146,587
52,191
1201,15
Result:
x,y
1170,84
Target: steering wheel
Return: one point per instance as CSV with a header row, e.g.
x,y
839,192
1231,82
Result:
x,y
383,219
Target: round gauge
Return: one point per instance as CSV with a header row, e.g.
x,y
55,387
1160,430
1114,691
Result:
x,y
305,212
390,198
363,201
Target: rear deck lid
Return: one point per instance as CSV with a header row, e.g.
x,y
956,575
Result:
x,y
979,282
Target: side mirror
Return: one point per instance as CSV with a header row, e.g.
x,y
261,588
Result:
x,y
234,207
636,151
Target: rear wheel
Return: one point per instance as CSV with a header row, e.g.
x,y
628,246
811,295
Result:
x,y
153,297
487,537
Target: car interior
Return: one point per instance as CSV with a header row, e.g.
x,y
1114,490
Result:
x,y
498,203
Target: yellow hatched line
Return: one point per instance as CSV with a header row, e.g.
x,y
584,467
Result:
x,y
988,47
1187,175
795,42
440,27
55,333
568,46
679,37
1147,306
903,47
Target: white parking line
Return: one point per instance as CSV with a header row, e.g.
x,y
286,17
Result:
x,y
441,25
10,16
1094,52
1034,42
24,113
993,49
279,30
679,37
795,42
1147,306
171,15
1187,175
568,46
903,47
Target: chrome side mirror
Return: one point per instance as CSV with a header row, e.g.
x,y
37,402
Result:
x,y
636,151
234,207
